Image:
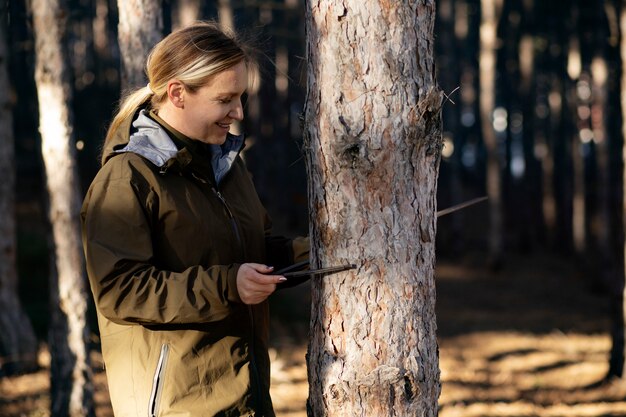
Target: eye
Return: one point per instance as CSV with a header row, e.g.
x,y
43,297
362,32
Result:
x,y
224,100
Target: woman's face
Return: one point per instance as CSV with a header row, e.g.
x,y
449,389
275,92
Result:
x,y
206,115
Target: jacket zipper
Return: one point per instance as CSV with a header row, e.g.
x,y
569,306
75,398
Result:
x,y
231,217
254,370
253,365
157,382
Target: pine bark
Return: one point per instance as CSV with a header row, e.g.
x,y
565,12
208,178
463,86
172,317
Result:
x,y
71,386
140,28
18,344
373,142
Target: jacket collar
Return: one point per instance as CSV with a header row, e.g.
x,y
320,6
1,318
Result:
x,y
165,147
150,140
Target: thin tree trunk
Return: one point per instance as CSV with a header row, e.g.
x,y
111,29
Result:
x,y
140,28
617,360
488,45
599,76
613,120
533,188
538,141
568,187
187,12
225,13
373,142
18,345
71,387
450,79
524,167
100,30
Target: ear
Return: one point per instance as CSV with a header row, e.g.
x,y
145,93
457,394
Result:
x,y
176,93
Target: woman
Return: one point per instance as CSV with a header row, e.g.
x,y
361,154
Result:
x,y
176,240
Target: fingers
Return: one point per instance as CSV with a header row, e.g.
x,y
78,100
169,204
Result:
x,y
263,277
263,269
253,283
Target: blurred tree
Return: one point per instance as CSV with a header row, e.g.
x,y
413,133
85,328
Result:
x,y
225,13
186,12
18,345
509,125
598,196
617,362
555,108
532,216
448,73
71,377
373,143
140,28
462,171
596,138
490,15
613,120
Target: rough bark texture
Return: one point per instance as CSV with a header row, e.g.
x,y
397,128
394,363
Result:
x,y
373,142
488,45
140,28
71,388
18,345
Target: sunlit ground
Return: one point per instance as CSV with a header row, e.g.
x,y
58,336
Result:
x,y
529,341
520,374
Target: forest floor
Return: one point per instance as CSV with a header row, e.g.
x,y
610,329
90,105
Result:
x,y
530,340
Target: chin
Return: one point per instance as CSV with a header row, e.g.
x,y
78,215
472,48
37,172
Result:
x,y
216,140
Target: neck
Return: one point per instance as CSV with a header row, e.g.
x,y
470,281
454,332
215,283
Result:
x,y
171,115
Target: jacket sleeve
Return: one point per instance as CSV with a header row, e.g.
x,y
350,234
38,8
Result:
x,y
127,285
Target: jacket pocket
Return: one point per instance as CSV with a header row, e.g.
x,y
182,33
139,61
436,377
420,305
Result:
x,y
158,382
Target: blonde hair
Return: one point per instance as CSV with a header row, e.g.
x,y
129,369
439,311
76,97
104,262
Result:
x,y
191,55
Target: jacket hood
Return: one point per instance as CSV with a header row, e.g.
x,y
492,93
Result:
x,y
151,141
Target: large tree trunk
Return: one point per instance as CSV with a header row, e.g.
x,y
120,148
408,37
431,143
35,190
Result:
x,y
373,142
140,28
71,387
18,345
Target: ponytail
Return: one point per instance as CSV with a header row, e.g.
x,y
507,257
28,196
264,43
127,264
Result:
x,y
129,105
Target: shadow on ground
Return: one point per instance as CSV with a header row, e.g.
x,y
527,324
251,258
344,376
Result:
x,y
530,340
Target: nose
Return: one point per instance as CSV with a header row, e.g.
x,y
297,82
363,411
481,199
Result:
x,y
236,111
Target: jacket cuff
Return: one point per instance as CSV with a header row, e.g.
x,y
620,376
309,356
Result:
x,y
233,293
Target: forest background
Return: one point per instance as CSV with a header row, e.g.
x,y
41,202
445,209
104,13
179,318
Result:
x,y
528,284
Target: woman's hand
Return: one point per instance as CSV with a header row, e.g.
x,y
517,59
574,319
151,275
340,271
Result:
x,y
253,283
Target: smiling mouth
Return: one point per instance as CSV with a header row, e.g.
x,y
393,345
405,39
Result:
x,y
224,125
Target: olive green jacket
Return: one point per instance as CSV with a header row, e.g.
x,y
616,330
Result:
x,y
163,243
